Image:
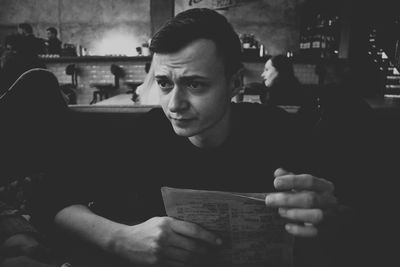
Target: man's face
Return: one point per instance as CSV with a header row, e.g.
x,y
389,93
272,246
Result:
x,y
194,91
20,31
269,74
50,35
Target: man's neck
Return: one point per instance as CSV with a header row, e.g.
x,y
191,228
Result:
x,y
216,135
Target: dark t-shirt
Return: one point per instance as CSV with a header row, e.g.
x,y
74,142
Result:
x,y
31,45
53,46
245,162
122,180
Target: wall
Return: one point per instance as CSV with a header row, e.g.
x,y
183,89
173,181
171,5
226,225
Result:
x,y
94,70
160,12
275,23
102,26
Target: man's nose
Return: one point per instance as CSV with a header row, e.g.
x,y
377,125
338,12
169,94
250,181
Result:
x,y
178,100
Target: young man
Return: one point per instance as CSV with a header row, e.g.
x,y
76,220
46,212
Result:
x,y
53,44
202,141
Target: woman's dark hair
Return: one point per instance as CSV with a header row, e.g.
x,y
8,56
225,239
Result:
x,y
284,67
286,88
199,23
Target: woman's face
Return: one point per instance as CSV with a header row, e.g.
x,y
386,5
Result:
x,y
269,74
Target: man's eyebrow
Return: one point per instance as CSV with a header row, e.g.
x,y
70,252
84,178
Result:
x,y
161,76
184,78
193,77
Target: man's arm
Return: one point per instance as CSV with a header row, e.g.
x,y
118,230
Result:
x,y
157,240
81,222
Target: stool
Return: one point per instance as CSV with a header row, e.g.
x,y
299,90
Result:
x,y
68,88
102,92
72,70
69,92
104,89
133,86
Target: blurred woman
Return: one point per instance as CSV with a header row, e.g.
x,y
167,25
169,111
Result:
x,y
283,86
148,90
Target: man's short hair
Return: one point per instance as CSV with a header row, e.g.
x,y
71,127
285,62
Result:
x,y
26,27
199,23
52,30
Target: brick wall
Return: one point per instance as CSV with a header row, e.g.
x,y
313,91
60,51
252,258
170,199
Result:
x,y
98,72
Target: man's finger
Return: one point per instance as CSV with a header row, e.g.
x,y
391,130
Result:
x,y
314,216
280,172
194,231
302,199
303,182
307,230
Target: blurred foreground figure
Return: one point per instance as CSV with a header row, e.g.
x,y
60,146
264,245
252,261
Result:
x,y
32,113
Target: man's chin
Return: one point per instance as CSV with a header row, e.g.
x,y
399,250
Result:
x,y
182,132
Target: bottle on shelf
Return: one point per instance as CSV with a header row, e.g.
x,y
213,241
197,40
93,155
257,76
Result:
x,y
262,51
319,35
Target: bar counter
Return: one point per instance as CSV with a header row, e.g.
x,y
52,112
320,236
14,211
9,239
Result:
x,y
91,70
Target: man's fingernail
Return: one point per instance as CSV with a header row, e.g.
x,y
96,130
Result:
x,y
277,182
268,200
282,211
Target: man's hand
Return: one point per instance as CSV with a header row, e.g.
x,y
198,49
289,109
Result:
x,y
165,241
306,201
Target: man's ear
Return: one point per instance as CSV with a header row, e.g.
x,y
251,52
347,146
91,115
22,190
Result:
x,y
236,82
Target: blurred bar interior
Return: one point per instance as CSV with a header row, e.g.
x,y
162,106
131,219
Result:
x,y
105,43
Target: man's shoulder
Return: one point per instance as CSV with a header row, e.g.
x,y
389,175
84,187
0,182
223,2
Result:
x,y
56,41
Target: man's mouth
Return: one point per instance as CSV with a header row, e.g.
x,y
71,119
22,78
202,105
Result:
x,y
181,122
182,119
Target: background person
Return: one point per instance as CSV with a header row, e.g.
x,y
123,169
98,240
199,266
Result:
x,y
29,45
53,44
32,117
283,87
21,54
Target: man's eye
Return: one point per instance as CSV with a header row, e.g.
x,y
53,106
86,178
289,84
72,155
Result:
x,y
165,85
194,85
